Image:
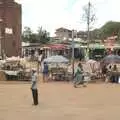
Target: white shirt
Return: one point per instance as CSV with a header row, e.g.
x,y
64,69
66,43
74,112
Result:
x,y
40,58
34,81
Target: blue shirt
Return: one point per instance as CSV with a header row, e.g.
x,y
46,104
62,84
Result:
x,y
45,70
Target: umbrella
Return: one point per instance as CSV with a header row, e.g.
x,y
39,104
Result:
x,y
56,59
111,59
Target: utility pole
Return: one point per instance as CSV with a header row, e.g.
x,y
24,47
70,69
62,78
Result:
x,y
88,17
73,53
88,28
88,22
3,29
1,37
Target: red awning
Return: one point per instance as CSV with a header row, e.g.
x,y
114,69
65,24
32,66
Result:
x,y
57,47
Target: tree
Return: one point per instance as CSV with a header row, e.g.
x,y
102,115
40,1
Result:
x,y
41,36
89,17
26,34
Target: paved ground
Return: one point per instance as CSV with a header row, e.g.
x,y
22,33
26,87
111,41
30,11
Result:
x,y
60,101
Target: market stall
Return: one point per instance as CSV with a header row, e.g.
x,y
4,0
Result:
x,y
112,65
14,69
58,67
95,70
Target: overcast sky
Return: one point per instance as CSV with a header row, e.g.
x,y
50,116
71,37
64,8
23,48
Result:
x,y
52,14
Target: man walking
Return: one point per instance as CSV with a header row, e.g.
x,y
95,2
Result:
x,y
34,87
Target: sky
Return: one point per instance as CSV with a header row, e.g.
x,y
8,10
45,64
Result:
x,y
53,14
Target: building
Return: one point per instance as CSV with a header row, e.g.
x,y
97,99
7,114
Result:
x,y
82,35
10,28
63,33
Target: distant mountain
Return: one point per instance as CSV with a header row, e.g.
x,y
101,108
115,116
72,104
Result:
x,y
111,28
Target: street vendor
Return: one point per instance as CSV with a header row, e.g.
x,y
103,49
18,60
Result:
x,y
115,77
104,72
19,65
108,74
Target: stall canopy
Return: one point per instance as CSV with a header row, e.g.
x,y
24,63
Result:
x,y
56,59
96,46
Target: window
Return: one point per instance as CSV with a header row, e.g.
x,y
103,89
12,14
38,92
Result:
x,y
9,30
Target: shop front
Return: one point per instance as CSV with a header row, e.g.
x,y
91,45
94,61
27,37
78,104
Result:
x,y
97,51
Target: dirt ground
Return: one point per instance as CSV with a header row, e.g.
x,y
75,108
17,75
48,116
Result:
x,y
60,101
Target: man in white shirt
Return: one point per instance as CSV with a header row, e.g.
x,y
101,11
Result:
x,y
34,87
40,58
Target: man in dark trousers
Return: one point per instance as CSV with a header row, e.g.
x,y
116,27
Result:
x,y
34,87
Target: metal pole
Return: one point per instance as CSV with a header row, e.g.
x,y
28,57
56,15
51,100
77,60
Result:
x,y
88,22
0,44
4,26
76,35
73,53
1,20
88,27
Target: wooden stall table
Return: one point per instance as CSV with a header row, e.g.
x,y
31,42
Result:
x,y
57,73
68,76
24,75
11,75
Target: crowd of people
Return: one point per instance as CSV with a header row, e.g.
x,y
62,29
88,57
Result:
x,y
78,79
109,73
